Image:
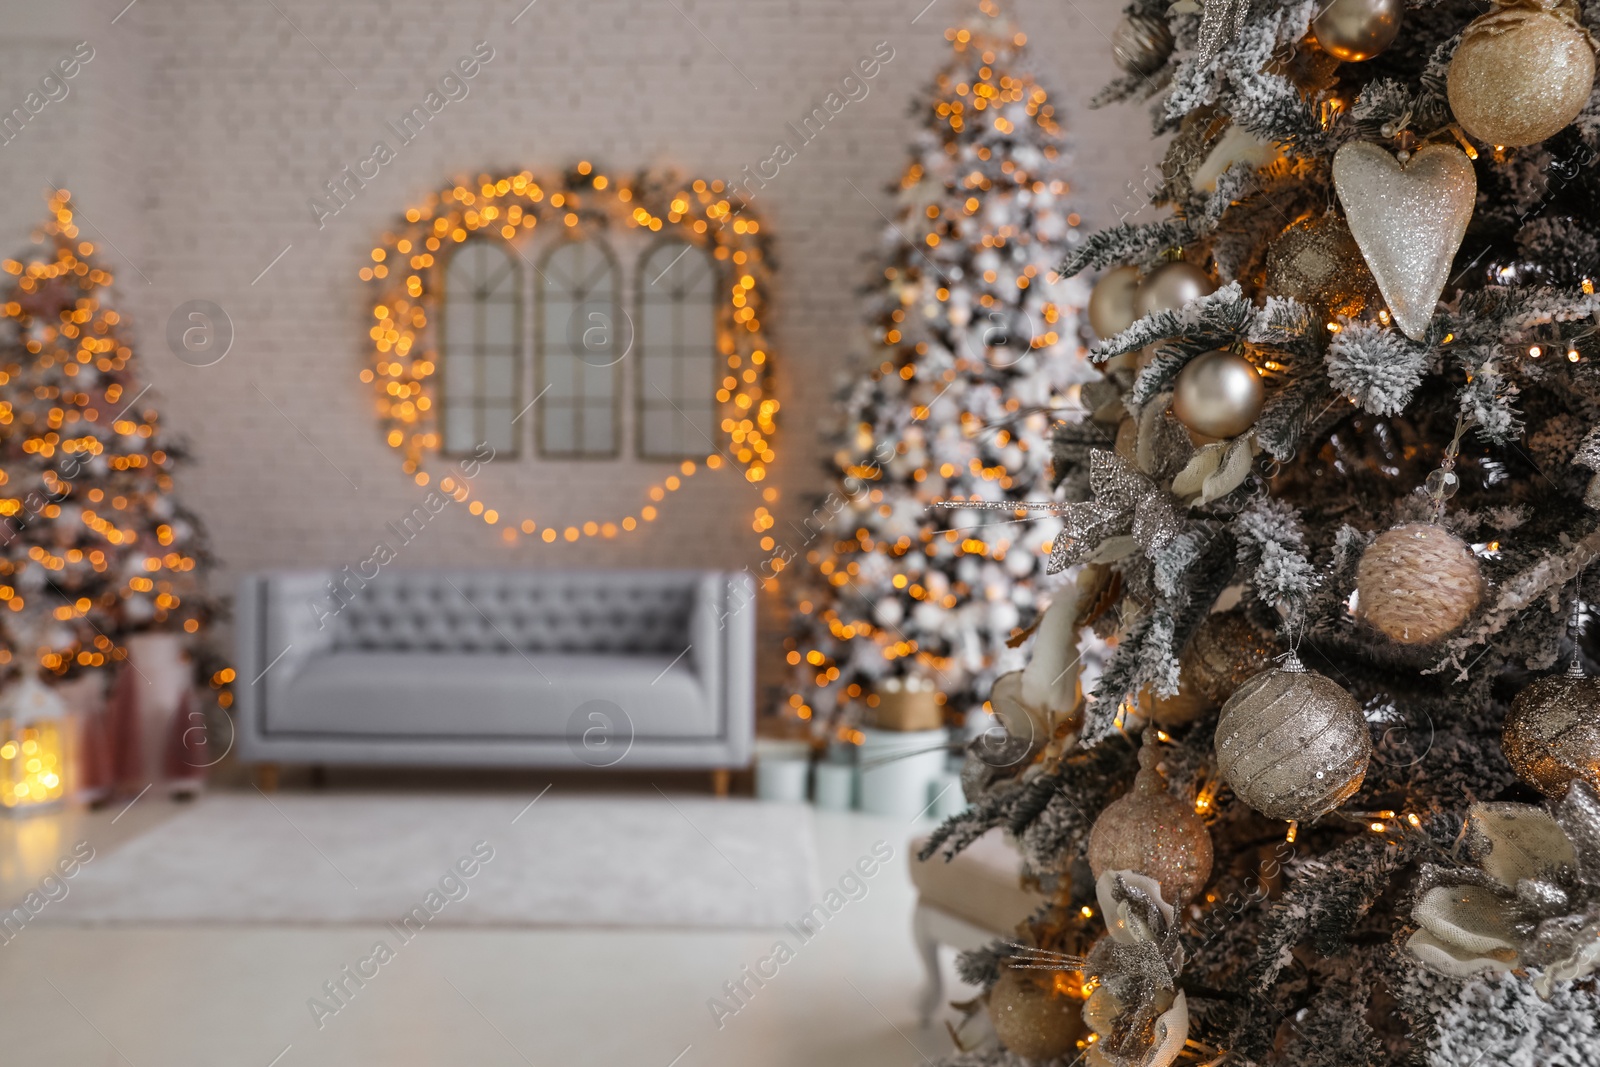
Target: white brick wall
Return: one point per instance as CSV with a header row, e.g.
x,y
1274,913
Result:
x,y
195,137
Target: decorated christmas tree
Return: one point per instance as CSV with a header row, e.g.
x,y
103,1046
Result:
x,y
975,352
1335,798
94,544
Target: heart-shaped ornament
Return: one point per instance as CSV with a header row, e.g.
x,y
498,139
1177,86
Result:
x,y
1408,220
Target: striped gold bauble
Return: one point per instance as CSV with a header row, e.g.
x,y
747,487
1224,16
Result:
x,y
1291,743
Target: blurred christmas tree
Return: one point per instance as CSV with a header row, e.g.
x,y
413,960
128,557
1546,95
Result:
x,y
1335,798
91,536
976,349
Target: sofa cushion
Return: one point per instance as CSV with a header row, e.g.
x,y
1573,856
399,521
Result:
x,y
486,694
982,884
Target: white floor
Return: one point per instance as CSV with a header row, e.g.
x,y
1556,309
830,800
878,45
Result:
x,y
207,996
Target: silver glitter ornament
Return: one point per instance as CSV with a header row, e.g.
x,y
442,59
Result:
x,y
1218,394
1408,219
1141,43
1357,30
1170,286
1220,22
1111,302
1552,733
1521,73
1129,512
1292,744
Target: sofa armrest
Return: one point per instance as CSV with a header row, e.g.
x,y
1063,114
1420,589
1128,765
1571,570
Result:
x,y
722,633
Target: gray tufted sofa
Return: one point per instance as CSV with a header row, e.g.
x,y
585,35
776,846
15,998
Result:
x,y
497,668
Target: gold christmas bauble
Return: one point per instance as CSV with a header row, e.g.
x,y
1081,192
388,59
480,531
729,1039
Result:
x,y
1224,653
1170,286
1218,394
1521,73
1552,732
1179,709
1141,43
1417,583
1292,744
1151,832
1033,1018
1111,302
1317,262
1357,30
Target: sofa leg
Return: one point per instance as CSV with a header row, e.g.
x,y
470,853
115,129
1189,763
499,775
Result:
x,y
267,777
719,781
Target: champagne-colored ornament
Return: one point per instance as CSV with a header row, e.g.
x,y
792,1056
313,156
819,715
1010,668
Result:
x,y
1111,302
1292,744
1141,43
1317,262
1552,733
1417,583
1357,30
1218,394
1521,73
1151,832
1170,286
1032,1017
1225,652
1408,219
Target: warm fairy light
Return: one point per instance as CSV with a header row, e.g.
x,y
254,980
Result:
x,y
31,764
1163,735
1413,820
1294,830
1572,355
1535,351
405,357
1087,912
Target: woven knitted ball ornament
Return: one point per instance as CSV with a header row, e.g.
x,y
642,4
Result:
x,y
1032,1017
1292,744
1552,733
1417,583
1151,832
1522,72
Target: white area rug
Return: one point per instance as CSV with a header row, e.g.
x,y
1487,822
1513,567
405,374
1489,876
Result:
x,y
564,861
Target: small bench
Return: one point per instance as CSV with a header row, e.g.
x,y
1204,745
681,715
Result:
x,y
966,903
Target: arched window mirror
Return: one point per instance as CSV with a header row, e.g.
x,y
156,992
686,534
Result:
x,y
583,336
482,350
677,352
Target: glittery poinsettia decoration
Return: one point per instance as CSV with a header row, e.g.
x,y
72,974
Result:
x,y
1532,901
